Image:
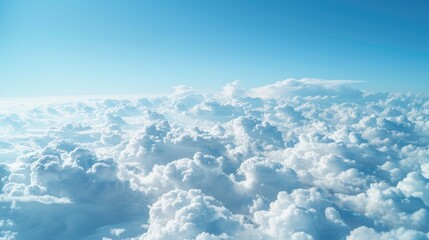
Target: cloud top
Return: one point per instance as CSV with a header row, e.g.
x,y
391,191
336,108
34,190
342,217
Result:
x,y
297,159
303,87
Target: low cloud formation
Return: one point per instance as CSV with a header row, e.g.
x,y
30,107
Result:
x,y
297,159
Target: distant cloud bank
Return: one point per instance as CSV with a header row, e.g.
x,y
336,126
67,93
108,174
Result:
x,y
297,159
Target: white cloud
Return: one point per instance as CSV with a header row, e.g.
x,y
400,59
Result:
x,y
303,214
203,172
66,191
305,87
190,214
415,185
394,234
297,159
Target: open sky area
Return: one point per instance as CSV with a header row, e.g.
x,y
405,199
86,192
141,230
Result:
x,y
84,47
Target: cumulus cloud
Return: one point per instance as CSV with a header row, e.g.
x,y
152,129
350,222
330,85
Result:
x,y
188,215
65,191
297,159
303,214
394,234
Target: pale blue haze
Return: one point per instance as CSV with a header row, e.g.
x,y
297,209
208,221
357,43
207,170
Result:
x,y
74,47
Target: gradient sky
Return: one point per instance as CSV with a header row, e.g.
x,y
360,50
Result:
x,y
74,47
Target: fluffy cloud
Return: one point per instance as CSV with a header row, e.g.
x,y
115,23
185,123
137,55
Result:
x,y
297,159
65,191
266,178
303,214
188,215
394,234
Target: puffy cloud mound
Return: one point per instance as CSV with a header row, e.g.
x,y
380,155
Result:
x,y
65,191
190,214
394,234
297,159
303,214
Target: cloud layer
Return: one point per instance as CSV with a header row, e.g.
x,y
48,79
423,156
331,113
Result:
x,y
297,159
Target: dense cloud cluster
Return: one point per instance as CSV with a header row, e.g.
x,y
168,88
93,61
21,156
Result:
x,y
297,159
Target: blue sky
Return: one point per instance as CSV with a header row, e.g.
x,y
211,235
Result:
x,y
74,47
